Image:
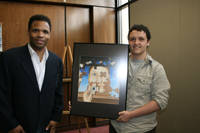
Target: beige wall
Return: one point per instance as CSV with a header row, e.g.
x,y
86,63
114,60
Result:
x,y
175,28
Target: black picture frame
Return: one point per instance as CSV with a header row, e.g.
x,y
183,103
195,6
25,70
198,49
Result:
x,y
95,91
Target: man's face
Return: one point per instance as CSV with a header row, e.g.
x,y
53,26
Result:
x,y
39,34
138,43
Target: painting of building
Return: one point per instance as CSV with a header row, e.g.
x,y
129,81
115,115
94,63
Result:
x,y
98,82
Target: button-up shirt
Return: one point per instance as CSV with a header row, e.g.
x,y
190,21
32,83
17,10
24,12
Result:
x,y
147,81
39,66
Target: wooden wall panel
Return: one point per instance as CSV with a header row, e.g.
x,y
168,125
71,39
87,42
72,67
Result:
x,y
49,0
104,25
78,27
103,3
15,16
106,3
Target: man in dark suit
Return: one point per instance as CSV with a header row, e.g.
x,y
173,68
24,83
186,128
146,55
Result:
x,y
31,95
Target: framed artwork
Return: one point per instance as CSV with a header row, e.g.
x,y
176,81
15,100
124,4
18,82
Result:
x,y
99,79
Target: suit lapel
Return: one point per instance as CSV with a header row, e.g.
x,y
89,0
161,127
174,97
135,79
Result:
x,y
28,66
48,71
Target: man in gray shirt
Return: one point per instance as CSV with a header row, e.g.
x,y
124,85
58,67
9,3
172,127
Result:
x,y
148,87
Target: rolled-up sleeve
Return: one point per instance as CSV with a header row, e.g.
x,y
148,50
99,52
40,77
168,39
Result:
x,y
160,86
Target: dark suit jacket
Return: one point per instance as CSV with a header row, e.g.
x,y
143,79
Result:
x,y
21,102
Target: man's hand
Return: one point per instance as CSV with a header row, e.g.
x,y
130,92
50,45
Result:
x,y
124,116
69,106
18,129
52,126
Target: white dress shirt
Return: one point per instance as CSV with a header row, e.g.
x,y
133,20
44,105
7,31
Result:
x,y
39,66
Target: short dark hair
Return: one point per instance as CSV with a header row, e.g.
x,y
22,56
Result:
x,y
140,27
38,17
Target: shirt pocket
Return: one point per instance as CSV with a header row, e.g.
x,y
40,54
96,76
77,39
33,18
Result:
x,y
143,83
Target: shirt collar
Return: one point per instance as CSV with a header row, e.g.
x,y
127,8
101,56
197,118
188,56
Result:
x,y
32,52
148,59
